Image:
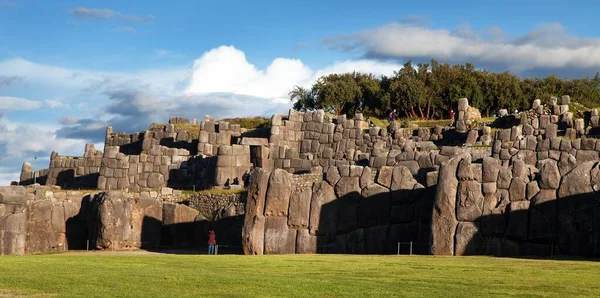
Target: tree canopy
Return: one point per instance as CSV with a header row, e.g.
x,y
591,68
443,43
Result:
x,y
429,90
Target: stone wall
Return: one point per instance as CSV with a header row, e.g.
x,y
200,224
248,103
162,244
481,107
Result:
x,y
67,171
352,209
302,140
146,171
46,219
521,209
233,164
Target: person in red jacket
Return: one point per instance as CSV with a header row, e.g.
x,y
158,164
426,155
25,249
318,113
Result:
x,y
211,242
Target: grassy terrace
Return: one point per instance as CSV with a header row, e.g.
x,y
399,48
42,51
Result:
x,y
101,274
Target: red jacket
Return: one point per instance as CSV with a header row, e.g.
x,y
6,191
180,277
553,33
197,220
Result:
x,y
211,238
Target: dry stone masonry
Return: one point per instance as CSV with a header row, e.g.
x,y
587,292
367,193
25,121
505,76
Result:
x,y
524,185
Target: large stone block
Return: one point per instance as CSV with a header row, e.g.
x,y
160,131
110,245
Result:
x,y
278,193
254,222
323,210
469,240
470,201
518,220
279,239
125,222
300,200
443,225
402,179
374,206
305,242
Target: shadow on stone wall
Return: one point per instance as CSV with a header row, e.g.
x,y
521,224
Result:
x,y
67,180
567,226
374,224
355,224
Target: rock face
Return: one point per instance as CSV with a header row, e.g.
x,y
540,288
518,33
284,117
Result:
x,y
253,232
128,223
443,224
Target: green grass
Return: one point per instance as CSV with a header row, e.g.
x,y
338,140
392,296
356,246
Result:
x,y
425,123
102,275
250,123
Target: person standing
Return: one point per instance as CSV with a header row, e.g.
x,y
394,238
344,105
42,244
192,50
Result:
x,y
211,242
451,114
392,116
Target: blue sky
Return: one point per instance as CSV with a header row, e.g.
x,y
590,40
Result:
x,y
69,68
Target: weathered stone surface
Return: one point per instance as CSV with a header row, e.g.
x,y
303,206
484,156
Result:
x,y
402,179
323,211
300,208
490,169
125,222
468,239
443,225
470,201
532,189
279,239
517,189
155,181
385,176
578,211
305,242
332,175
549,174
366,177
504,178
278,193
494,217
253,231
178,224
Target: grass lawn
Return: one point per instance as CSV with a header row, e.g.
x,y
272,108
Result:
x,y
162,275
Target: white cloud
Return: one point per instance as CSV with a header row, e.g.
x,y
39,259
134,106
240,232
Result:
x,y
17,103
165,81
55,104
545,47
9,103
20,142
226,69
